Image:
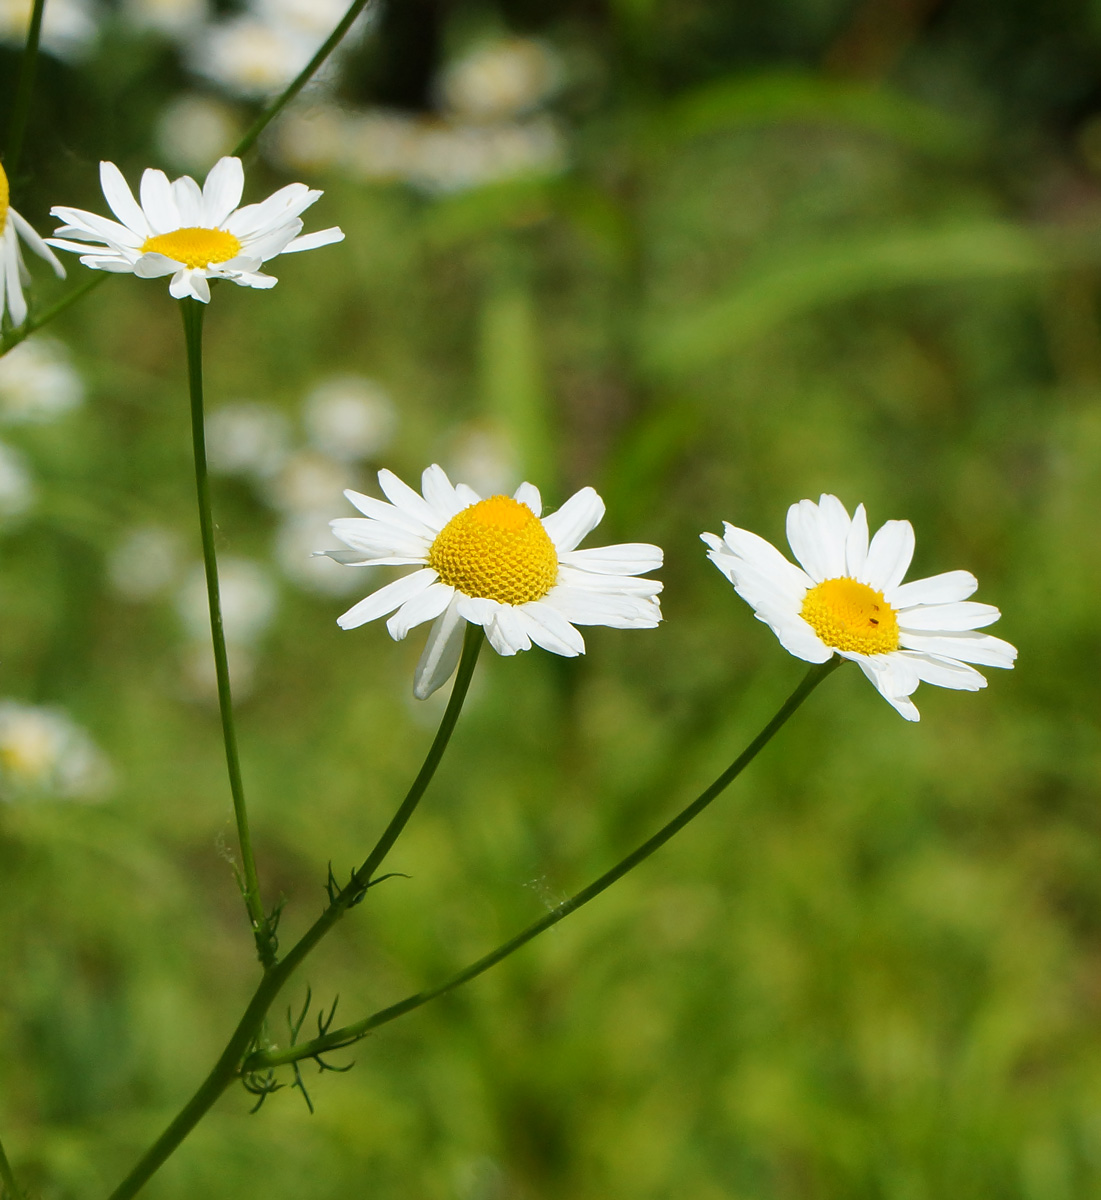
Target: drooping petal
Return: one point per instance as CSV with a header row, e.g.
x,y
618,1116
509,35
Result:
x,y
945,672
30,236
311,241
547,627
441,652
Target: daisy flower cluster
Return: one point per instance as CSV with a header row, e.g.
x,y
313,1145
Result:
x,y
192,234
847,597
495,562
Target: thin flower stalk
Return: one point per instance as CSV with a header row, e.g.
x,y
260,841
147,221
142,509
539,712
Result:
x,y
21,106
227,1068
337,1038
250,883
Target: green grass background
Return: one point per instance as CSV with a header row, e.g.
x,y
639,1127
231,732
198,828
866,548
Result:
x,y
873,969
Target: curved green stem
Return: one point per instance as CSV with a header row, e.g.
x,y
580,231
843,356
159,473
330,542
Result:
x,y
192,312
9,1188
228,1066
264,1060
299,82
14,336
21,106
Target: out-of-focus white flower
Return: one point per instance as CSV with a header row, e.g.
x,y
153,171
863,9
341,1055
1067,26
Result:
x,y
482,455
349,417
194,130
247,439
145,563
172,18
308,483
200,678
315,19
248,596
501,79
68,26
295,543
38,382
191,233
251,57
17,491
430,154
43,752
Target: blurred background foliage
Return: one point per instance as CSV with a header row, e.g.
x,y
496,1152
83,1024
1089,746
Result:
x,y
711,258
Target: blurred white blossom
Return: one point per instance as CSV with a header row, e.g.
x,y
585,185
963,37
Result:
x,y
501,79
249,56
171,18
482,457
145,563
248,598
295,544
17,490
43,752
38,382
247,439
196,130
309,483
349,417
68,26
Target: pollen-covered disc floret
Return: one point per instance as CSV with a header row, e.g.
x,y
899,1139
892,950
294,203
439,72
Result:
x,y
193,234
13,271
848,615
498,550
847,597
498,563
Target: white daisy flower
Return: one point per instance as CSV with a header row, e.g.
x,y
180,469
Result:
x,y
495,563
13,271
849,599
191,234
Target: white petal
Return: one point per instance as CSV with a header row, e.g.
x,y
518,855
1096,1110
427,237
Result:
x,y
425,606
467,494
548,628
528,493
613,585
30,236
794,634
386,599
380,539
281,206
582,607
389,514
944,672
17,305
887,682
402,496
222,191
505,631
254,280
627,558
155,266
936,589
120,199
179,286
441,652
580,515
189,201
743,557
439,493
978,648
889,556
816,534
158,202
91,227
856,543
948,617
311,241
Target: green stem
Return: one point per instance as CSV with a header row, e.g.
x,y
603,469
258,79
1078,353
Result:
x,y
192,311
21,106
299,82
227,1068
264,1060
9,1188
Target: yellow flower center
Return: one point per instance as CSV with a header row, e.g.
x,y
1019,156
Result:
x,y
851,616
194,247
496,550
4,199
